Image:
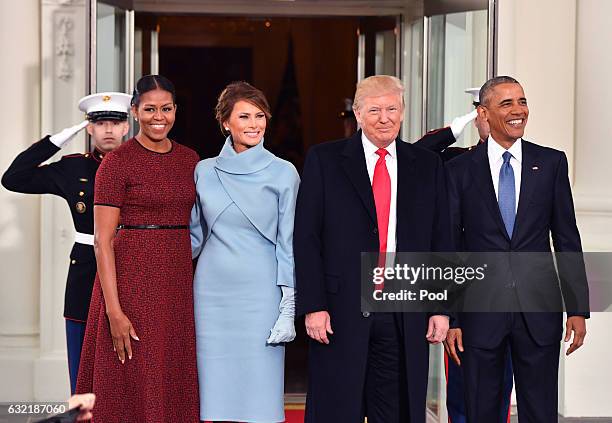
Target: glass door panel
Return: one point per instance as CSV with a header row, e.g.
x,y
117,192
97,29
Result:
x,y
458,58
112,47
378,45
412,76
111,40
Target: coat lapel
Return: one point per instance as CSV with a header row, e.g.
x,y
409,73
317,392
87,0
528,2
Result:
x,y
406,184
354,165
481,171
529,171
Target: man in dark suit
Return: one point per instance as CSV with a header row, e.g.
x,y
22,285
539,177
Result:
x,y
510,195
455,403
371,192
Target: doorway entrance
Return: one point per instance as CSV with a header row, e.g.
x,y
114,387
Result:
x,y
306,56
305,66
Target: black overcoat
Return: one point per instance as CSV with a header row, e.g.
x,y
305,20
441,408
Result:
x,y
335,222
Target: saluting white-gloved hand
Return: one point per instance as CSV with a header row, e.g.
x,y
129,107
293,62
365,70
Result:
x,y
61,138
284,328
460,122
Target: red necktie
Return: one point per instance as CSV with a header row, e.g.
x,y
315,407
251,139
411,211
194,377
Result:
x,y
381,187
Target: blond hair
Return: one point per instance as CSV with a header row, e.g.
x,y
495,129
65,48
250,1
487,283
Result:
x,y
377,85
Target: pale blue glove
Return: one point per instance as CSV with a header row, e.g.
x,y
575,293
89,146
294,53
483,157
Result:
x,y
284,328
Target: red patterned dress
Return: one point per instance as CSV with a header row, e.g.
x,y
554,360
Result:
x,y
155,287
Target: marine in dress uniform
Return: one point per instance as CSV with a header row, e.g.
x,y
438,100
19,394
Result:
x,y
72,178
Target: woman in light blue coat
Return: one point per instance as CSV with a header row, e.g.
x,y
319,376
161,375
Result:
x,y
242,229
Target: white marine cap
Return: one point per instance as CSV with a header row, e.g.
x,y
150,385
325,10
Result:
x,y
106,106
475,93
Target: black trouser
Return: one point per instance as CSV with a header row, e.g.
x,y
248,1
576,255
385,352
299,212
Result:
x,y
535,373
383,386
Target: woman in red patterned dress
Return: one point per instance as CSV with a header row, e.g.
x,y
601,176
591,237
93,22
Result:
x,y
139,351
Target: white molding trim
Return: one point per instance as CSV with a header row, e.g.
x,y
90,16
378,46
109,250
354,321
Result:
x,y
64,46
63,2
593,205
275,7
63,26
17,341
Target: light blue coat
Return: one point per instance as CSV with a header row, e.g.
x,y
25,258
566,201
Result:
x,y
242,229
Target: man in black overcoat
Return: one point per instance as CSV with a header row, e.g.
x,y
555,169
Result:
x,y
371,192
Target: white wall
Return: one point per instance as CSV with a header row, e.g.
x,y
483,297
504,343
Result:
x,y
19,214
560,52
536,45
588,392
42,77
593,116
63,82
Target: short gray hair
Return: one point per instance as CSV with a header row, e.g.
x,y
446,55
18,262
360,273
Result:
x,y
487,88
377,85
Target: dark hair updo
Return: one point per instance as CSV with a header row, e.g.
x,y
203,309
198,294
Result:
x,y
152,82
235,92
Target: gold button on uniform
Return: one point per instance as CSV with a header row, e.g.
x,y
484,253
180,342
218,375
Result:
x,y
81,193
73,261
80,207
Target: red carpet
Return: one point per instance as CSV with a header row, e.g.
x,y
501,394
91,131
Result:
x,y
293,414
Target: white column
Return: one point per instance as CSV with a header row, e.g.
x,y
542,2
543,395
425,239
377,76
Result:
x,y
588,373
19,222
536,45
63,82
556,49
592,166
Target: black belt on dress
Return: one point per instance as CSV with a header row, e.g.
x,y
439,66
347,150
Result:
x,y
152,227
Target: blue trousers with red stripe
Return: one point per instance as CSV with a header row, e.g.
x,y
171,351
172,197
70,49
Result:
x,y
455,400
75,332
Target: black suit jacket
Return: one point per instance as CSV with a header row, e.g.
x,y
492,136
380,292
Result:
x,y
335,221
545,209
71,178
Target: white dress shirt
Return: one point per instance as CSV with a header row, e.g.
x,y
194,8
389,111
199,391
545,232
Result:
x,y
495,152
391,161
